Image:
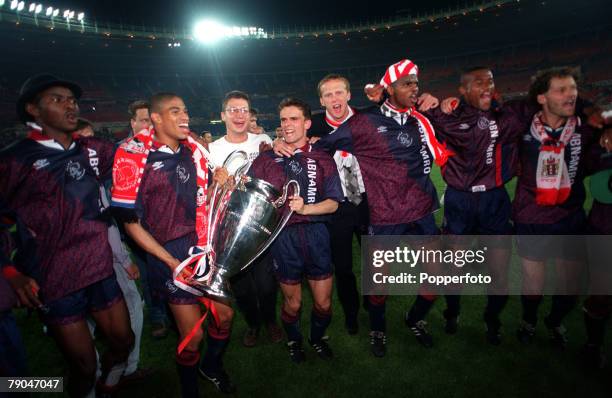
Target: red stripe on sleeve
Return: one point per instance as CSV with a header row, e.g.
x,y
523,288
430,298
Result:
x,y
498,166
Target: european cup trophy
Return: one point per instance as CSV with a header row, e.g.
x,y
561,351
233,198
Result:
x,y
244,219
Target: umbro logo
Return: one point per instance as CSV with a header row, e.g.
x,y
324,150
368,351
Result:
x,y
40,163
464,126
381,129
157,165
527,138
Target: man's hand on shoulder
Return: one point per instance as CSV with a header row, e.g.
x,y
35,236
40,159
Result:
x,y
374,92
449,104
281,148
427,101
264,146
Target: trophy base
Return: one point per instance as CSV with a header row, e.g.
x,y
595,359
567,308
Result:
x,y
216,287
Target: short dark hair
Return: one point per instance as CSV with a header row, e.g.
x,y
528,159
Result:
x,y
203,133
298,103
470,70
235,94
540,82
156,101
135,106
333,76
253,111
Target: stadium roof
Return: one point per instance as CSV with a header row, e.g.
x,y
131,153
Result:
x,y
209,23
265,13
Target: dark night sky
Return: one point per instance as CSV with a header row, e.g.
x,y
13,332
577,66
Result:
x,y
266,13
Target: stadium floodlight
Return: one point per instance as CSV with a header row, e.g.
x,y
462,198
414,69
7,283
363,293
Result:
x,y
81,16
209,31
49,11
66,13
38,9
20,6
71,15
32,7
13,4
1,3
55,12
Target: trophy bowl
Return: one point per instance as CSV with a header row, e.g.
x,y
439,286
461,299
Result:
x,y
244,220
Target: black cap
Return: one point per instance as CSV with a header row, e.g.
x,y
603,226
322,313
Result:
x,y
34,85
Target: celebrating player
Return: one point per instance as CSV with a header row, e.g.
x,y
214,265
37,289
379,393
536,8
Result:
x,y
162,207
396,148
302,248
63,265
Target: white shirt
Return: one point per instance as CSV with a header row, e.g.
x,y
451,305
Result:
x,y
344,159
221,148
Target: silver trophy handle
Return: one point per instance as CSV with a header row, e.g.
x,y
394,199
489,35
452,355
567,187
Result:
x,y
281,201
278,203
242,169
214,204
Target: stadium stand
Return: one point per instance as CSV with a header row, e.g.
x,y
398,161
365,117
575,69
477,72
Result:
x,y
117,70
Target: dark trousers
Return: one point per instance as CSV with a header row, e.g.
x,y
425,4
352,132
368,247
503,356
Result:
x,y
346,221
255,290
12,352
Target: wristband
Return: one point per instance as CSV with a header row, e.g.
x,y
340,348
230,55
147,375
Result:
x,y
9,272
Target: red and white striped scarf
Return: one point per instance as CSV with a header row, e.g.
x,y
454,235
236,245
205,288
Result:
x,y
552,178
130,159
128,168
438,150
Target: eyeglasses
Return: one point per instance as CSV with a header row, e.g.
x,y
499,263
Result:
x,y
234,110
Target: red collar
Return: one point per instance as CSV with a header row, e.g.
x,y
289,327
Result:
x,y
333,123
37,135
306,148
156,145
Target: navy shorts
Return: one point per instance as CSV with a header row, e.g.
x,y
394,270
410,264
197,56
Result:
x,y
160,276
75,306
540,248
477,213
302,250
